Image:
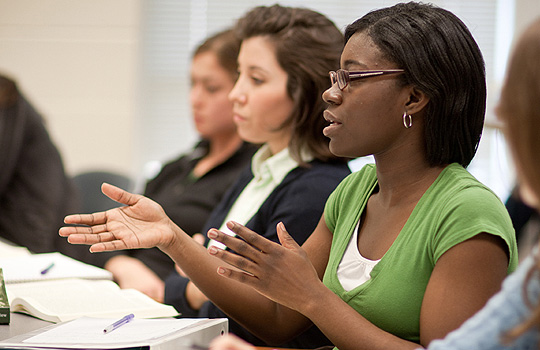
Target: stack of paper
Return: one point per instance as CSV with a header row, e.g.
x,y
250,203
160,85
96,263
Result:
x,y
87,333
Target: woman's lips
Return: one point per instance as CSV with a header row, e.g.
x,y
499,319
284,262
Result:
x,y
238,118
333,126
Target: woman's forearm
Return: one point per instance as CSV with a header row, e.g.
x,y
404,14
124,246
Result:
x,y
260,315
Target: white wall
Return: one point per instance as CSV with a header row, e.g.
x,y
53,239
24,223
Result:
x,y
77,63
526,12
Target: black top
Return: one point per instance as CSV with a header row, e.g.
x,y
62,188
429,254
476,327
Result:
x,y
188,200
35,192
298,201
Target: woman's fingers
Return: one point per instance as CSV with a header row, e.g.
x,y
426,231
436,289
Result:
x,y
285,238
108,246
252,239
119,195
82,231
239,261
86,219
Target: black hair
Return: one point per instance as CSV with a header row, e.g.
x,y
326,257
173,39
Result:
x,y
441,59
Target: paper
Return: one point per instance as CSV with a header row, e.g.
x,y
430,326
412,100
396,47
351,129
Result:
x,y
8,249
88,331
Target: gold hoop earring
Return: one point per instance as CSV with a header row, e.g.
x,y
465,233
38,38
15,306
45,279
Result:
x,y
407,123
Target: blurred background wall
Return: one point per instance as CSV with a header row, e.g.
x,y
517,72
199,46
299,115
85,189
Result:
x,y
111,76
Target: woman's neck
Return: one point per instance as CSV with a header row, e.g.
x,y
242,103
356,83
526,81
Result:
x,y
404,182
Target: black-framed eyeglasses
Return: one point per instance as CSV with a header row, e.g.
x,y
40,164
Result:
x,y
343,77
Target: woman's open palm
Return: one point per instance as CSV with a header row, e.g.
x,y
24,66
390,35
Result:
x,y
141,223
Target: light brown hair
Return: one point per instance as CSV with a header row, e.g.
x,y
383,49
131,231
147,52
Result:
x,y
519,111
225,45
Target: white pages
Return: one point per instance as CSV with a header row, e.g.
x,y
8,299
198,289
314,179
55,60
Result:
x,y
67,299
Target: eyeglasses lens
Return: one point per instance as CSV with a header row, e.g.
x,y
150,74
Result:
x,y
342,79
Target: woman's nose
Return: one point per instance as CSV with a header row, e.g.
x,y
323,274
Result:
x,y
333,95
195,95
236,94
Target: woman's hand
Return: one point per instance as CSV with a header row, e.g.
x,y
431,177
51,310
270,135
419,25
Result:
x,y
230,342
194,296
141,223
282,273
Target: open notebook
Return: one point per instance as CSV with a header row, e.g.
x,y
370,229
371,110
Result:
x,y
48,266
68,299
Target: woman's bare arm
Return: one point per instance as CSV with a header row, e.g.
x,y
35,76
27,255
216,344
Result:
x,y
462,281
142,223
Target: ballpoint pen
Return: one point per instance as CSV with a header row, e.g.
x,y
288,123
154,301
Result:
x,y
47,269
118,323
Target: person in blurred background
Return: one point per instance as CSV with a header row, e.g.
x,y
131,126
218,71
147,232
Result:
x,y
35,191
189,187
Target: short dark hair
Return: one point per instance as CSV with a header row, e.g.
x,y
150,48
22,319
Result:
x,y
225,45
308,45
441,58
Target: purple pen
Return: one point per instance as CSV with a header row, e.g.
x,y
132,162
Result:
x,y
47,269
118,323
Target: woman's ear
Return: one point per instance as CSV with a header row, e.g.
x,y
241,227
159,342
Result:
x,y
417,101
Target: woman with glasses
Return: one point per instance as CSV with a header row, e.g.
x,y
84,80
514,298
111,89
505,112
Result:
x,y
511,318
407,249
276,102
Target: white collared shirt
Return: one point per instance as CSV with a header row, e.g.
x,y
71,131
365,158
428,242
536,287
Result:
x,y
268,172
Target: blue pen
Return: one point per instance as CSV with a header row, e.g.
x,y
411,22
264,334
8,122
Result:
x,y
118,323
47,269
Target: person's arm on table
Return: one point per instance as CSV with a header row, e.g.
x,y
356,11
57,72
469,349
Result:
x,y
130,272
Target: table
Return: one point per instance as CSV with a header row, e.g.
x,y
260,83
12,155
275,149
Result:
x,y
21,324
202,332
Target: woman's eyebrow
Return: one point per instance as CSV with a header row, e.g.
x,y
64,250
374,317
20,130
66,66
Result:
x,y
354,63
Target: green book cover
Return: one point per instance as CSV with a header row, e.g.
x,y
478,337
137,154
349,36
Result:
x,y
4,302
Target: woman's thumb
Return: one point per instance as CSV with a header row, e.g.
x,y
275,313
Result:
x,y
284,238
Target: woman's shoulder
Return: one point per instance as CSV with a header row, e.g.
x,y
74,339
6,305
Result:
x,y
358,180
457,185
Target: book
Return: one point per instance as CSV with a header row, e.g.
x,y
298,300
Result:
x,y
9,249
141,334
48,266
67,299
4,301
